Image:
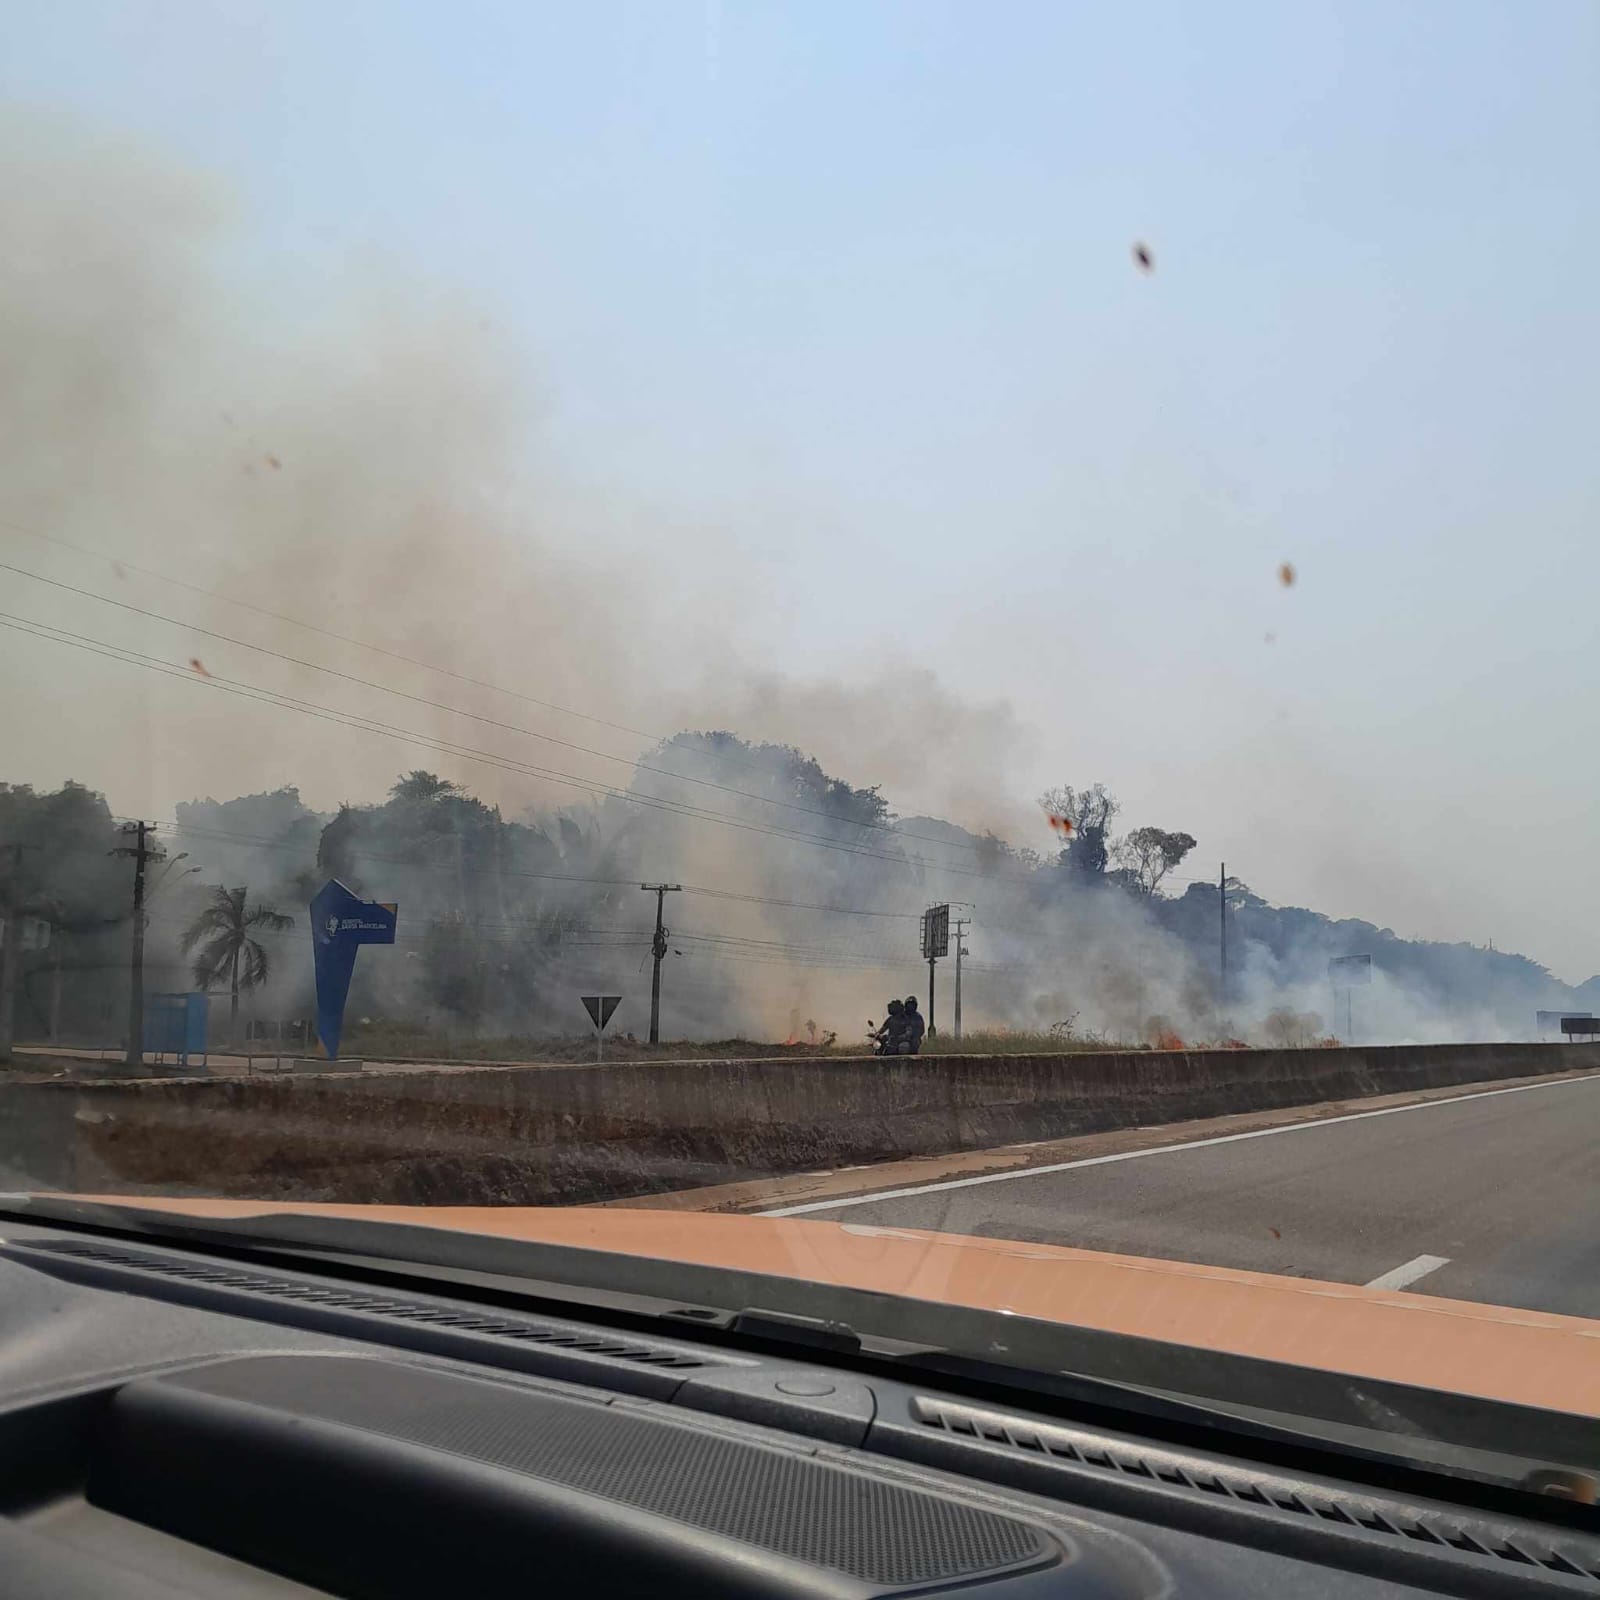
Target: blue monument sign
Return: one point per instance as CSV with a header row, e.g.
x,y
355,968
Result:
x,y
341,922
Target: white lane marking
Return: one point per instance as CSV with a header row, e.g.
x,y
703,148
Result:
x,y
1409,1272
1159,1150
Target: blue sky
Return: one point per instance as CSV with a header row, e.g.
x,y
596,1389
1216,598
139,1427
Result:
x,y
849,286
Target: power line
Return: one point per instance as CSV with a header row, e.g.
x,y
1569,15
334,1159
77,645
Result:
x,y
327,633
312,708
475,716
250,691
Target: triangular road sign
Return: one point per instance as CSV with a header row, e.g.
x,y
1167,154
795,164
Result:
x,y
600,1007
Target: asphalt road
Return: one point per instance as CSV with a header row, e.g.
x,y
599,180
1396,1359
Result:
x,y
1494,1198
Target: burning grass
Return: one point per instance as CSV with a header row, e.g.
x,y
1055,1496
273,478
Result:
x,y
402,1041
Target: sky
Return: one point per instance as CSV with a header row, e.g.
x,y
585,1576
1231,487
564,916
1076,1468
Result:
x,y
834,368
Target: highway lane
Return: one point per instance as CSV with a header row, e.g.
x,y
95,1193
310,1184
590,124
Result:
x,y
1492,1197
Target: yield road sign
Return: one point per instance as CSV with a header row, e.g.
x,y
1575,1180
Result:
x,y
600,1007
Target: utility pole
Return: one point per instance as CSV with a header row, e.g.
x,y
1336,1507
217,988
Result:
x,y
143,853
961,925
10,951
1222,924
658,948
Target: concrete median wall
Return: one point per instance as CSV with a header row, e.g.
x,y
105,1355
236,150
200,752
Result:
x,y
570,1134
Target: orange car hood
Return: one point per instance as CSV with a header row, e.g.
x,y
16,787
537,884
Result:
x,y
1532,1358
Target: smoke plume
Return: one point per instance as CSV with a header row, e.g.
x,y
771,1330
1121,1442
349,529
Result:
x,y
367,457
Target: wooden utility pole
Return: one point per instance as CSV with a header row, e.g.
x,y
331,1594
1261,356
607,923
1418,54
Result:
x,y
658,948
143,853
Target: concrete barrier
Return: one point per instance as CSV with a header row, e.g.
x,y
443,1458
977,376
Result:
x,y
570,1134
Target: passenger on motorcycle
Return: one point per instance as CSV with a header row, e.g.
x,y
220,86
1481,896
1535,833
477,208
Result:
x,y
912,1025
887,1038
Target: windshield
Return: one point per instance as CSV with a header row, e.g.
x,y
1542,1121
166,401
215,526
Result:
x,y
919,647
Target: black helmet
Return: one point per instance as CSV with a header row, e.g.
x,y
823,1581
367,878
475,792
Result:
x,y
894,1006
911,1002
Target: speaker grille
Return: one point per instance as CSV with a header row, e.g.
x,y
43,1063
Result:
x,y
794,1505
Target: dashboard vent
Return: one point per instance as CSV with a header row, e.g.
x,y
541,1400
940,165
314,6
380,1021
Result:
x,y
391,1308
1471,1537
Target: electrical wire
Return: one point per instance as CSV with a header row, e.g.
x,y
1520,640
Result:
x,y
428,742
487,721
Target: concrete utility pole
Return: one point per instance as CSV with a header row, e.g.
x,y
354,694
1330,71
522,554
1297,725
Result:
x,y
961,924
1222,924
143,853
11,950
658,948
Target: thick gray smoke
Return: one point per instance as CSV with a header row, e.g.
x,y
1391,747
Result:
x,y
367,458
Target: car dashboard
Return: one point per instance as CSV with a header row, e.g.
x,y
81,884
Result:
x,y
178,1421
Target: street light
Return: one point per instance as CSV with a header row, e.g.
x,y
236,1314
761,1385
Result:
x,y
182,855
165,877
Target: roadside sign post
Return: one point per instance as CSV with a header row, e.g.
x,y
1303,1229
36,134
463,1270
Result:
x,y
935,943
1348,973
600,1007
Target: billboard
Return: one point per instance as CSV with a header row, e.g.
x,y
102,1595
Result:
x,y
935,932
1550,1021
1350,972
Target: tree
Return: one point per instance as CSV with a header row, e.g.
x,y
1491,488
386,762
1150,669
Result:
x,y
420,785
1090,812
221,935
1149,854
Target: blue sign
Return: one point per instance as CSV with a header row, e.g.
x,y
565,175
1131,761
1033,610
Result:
x,y
175,1025
341,923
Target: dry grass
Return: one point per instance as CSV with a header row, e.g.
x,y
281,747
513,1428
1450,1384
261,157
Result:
x,y
401,1041
1017,1042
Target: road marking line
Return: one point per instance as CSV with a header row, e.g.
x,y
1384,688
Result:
x,y
1158,1150
1409,1272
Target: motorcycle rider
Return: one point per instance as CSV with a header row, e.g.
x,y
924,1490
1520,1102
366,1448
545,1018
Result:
x,y
913,1027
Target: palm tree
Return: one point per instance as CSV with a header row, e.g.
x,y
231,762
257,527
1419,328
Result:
x,y
221,933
